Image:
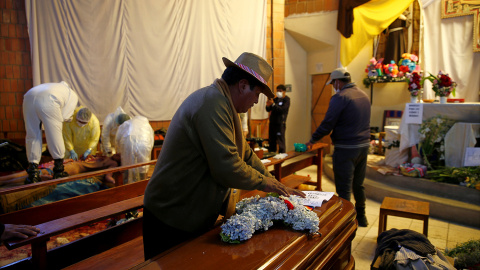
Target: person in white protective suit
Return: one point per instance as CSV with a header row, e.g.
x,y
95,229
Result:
x,y
109,130
134,140
81,135
48,104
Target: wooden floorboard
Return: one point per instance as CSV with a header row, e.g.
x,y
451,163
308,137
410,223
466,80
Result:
x,y
124,256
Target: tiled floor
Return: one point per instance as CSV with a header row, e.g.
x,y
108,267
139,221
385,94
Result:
x,y
442,234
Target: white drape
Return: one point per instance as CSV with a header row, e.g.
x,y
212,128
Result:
x,y
448,47
146,56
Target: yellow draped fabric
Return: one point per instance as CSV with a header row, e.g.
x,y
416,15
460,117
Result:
x,y
370,20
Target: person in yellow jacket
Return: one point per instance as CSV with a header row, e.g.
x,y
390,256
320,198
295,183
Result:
x,y
81,136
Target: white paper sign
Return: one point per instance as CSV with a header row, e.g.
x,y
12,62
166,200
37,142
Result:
x,y
316,198
472,156
414,113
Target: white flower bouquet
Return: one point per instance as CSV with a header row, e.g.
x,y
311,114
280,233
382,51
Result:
x,y
259,213
432,135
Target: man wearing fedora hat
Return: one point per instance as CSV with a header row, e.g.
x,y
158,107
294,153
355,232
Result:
x,y
205,158
348,120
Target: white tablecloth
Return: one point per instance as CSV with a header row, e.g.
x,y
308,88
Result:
x,y
458,138
461,112
393,156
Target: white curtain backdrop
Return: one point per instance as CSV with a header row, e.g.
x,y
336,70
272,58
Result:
x,y
147,55
448,47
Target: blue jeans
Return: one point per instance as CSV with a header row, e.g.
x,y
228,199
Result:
x,y
349,167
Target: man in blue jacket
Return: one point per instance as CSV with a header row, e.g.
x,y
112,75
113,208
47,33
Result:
x,y
348,120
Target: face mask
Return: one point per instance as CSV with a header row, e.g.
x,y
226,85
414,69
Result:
x,y
279,94
335,88
81,124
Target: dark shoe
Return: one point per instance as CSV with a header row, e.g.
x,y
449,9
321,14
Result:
x,y
362,221
33,174
60,175
58,169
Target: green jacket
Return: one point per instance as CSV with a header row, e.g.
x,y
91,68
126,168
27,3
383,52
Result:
x,y
199,163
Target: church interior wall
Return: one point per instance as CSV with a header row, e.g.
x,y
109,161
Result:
x,y
298,121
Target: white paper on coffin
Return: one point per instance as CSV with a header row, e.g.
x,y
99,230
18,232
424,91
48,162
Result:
x,y
316,198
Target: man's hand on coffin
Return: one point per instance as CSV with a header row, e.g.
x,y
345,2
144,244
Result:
x,y
73,155
273,185
85,155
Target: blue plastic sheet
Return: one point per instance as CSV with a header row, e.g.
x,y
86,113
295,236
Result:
x,y
69,190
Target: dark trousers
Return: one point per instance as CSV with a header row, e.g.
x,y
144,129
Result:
x,y
349,167
159,237
274,138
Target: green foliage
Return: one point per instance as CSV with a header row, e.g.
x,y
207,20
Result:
x,y
467,176
273,194
382,79
226,239
467,255
367,82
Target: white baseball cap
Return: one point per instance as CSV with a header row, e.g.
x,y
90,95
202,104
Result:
x,y
339,73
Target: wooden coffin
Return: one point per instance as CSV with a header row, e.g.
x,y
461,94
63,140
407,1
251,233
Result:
x,y
277,248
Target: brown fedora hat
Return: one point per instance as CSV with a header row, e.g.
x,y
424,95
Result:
x,y
255,66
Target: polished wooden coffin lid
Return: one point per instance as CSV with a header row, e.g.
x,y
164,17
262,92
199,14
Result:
x,y
277,248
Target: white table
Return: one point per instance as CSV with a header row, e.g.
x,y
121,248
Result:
x,y
457,139
460,112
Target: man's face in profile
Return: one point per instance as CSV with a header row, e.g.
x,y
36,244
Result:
x,y
248,98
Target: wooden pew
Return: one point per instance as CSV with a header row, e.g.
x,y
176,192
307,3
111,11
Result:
x,y
285,173
65,215
118,178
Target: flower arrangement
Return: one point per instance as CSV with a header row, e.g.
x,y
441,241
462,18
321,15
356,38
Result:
x,y
391,69
375,68
432,135
442,84
259,213
414,83
408,64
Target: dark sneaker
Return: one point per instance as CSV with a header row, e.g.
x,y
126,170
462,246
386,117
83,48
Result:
x,y
58,169
32,179
33,174
362,221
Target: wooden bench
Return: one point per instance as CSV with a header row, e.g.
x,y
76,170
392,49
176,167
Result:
x,y
285,173
65,215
